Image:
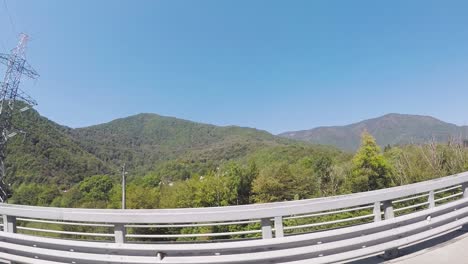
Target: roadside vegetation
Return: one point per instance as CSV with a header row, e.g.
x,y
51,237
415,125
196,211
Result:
x,y
277,173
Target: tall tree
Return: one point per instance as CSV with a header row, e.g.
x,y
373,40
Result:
x,y
273,184
370,169
95,190
323,169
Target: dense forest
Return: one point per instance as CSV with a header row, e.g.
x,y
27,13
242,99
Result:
x,y
52,154
269,174
174,163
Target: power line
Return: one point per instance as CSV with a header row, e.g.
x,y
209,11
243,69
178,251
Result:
x,y
12,23
3,45
4,49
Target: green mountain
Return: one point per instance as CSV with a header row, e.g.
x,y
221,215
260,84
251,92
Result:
x,y
51,153
391,129
145,140
46,153
175,148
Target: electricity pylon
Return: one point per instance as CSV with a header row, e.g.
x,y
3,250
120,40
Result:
x,y
10,94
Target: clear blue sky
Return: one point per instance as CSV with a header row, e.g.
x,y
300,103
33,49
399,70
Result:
x,y
273,65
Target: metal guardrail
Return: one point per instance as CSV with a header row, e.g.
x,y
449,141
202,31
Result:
x,y
323,230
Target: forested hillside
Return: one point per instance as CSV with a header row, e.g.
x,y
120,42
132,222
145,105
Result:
x,y
145,140
46,153
147,143
177,163
391,129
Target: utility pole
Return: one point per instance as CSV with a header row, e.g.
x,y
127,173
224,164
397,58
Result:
x,y
10,94
217,183
124,172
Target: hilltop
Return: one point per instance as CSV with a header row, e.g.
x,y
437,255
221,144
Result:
x,y
52,153
390,129
144,140
175,149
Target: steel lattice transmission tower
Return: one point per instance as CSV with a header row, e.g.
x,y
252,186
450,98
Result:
x,y
10,94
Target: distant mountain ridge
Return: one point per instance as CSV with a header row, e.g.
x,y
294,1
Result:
x,y
143,140
51,153
390,129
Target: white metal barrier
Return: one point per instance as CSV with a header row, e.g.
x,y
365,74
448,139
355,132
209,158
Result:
x,y
323,230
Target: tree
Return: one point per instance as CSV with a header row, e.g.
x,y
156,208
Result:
x,y
245,186
217,189
323,169
370,169
306,184
240,178
35,194
96,190
274,184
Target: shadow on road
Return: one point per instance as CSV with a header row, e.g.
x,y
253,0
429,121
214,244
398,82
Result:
x,y
418,248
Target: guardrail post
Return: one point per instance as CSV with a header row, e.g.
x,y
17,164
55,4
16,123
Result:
x,y
465,189
279,232
431,199
388,210
9,223
465,195
389,214
377,212
119,233
266,228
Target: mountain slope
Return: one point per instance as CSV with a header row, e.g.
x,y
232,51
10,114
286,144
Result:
x,y
51,153
144,140
55,154
48,154
390,129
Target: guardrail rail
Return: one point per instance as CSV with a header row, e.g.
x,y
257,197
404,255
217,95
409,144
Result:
x,y
323,230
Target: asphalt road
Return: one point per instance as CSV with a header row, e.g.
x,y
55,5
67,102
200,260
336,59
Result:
x,y
451,248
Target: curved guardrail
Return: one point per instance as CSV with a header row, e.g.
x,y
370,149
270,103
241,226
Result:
x,y
323,230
